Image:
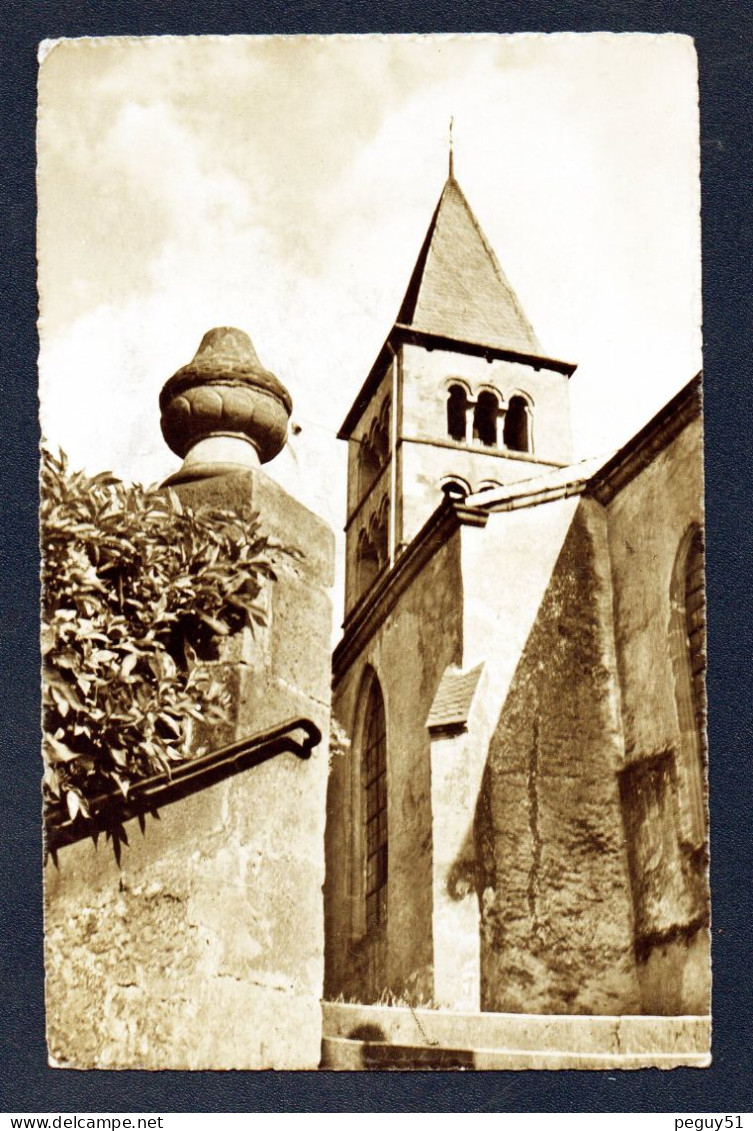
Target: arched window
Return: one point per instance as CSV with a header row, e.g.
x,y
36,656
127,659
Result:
x,y
695,624
688,649
374,777
455,488
368,463
379,533
379,443
457,411
517,428
485,419
383,432
375,449
367,562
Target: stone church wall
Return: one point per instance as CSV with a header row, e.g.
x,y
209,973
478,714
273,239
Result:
x,y
588,901
409,651
556,915
427,375
423,464
647,521
361,432
204,949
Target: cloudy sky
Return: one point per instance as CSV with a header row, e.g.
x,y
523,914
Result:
x,y
284,186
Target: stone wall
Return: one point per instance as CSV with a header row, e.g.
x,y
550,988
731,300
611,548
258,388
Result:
x,y
409,650
648,520
204,948
506,566
428,454
550,823
557,934
364,498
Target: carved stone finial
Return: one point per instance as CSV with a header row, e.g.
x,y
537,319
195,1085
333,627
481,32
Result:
x,y
224,410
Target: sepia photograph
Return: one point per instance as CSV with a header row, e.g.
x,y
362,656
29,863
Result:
x,y
372,535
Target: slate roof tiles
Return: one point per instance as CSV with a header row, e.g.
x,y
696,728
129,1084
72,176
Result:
x,y
458,288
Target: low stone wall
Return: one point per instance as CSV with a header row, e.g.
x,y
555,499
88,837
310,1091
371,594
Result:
x,y
204,947
357,1037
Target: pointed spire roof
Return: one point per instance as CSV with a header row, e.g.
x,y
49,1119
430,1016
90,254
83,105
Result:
x,y
458,289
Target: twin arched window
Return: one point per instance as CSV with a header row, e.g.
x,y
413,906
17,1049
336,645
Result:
x,y
485,419
372,553
455,488
375,448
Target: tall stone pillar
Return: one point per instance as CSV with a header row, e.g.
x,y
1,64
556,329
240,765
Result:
x,y
225,414
204,948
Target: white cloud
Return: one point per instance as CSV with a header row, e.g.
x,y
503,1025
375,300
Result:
x,y
285,186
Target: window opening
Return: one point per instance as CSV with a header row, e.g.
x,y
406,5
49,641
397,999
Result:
x,y
383,443
455,488
375,786
379,533
374,449
367,564
457,410
485,419
517,430
688,649
368,463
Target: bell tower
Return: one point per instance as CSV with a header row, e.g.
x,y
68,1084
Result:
x,y
460,399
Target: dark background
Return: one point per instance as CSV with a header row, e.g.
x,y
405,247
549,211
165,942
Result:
x,y
724,33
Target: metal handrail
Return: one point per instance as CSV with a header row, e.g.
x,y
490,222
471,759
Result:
x,y
297,736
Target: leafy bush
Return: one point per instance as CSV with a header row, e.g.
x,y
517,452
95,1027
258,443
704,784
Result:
x,y
136,590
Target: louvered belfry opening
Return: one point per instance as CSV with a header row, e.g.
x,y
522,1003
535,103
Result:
x,y
375,783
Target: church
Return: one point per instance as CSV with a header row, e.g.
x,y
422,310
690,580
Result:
x,y
518,823
503,862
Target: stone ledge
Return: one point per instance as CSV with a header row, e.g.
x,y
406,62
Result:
x,y
342,1055
629,1041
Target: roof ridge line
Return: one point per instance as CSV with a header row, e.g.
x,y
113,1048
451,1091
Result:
x,y
409,308
492,255
458,281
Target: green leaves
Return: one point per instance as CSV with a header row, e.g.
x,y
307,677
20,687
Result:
x,y
138,591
